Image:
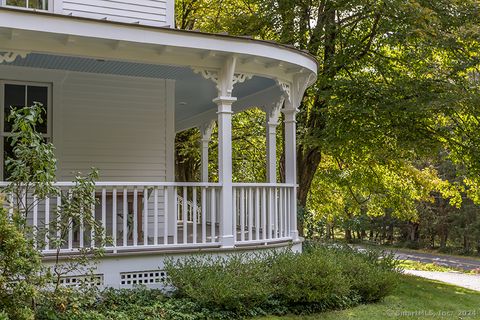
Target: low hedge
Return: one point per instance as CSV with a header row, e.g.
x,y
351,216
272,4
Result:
x,y
321,278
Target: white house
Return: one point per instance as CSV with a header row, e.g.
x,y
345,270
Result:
x,y
119,81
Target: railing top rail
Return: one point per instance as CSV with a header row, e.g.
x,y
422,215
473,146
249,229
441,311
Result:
x,y
171,184
263,185
137,184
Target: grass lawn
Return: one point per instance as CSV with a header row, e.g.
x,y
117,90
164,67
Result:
x,y
421,266
415,298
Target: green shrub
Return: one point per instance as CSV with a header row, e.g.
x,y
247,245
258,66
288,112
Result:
x,y
233,283
372,274
20,266
309,279
321,278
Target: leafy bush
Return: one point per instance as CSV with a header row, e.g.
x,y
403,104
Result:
x,y
319,279
20,265
234,283
372,274
309,279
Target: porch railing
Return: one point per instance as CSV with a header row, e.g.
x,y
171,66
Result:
x,y
262,212
138,216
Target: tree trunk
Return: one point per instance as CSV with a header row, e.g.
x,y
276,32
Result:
x,y
348,235
443,239
307,165
413,231
466,243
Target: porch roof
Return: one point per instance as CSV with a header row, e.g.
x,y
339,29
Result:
x,y
87,45
193,93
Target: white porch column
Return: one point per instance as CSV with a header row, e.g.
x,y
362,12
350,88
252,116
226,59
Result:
x,y
206,131
224,102
225,167
291,164
273,114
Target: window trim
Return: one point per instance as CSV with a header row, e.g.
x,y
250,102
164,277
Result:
x,y
49,3
4,134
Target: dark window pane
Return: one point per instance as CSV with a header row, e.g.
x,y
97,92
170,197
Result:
x,y
38,4
17,3
14,98
40,95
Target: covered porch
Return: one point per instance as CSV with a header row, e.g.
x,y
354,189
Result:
x,y
116,98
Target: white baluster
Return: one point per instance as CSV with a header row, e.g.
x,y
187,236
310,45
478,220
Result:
x,y
175,221
264,213
275,212
194,214
185,215
270,214
47,223
145,216
250,214
59,217
135,216
165,216
214,213
234,212
125,217
204,215
257,214
92,227
114,217
242,214
155,216
35,221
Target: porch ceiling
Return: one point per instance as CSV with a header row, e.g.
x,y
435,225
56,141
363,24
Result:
x,y
193,95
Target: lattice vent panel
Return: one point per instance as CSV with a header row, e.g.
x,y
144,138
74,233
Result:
x,y
79,281
143,278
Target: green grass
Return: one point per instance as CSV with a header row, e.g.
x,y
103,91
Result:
x,y
421,266
415,298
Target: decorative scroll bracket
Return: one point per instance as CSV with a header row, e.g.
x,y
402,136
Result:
x,y
9,57
286,87
295,90
214,75
206,130
273,111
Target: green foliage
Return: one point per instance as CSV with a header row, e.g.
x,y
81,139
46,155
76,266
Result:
x,y
310,279
33,167
20,268
75,210
233,283
321,278
32,178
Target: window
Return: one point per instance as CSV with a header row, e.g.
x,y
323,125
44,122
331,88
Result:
x,y
18,95
28,4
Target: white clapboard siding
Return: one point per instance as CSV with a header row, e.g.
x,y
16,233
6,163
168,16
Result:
x,y
148,12
115,124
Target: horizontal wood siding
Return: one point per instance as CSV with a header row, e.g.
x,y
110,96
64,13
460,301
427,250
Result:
x,y
115,124
149,12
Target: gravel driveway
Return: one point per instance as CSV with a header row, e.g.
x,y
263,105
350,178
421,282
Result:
x,y
456,278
